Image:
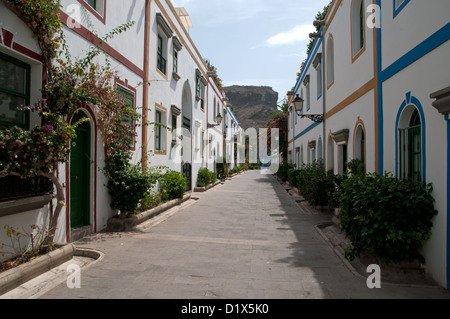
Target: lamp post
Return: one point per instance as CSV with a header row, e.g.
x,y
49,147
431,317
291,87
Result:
x,y
298,105
219,119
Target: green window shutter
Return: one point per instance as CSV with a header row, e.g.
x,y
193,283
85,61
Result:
x,y
128,99
158,131
175,61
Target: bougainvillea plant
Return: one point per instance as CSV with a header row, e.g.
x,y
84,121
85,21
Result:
x,y
70,84
42,18
279,121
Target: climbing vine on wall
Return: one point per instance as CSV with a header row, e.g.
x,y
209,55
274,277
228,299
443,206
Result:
x,y
70,84
42,17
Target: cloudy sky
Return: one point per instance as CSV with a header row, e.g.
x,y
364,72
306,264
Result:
x,y
253,42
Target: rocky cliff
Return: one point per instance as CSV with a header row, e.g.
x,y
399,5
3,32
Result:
x,y
253,105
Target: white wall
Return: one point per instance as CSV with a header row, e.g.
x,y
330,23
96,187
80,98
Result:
x,y
416,22
349,74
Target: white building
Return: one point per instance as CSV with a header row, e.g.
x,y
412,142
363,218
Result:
x,y
157,51
413,48
216,106
385,90
232,135
306,130
87,201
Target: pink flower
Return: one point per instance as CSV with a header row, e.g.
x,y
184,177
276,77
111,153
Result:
x,y
49,129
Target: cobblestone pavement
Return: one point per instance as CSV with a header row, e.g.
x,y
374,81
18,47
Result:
x,y
245,239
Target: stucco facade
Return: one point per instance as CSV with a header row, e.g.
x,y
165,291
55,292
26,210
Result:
x,y
158,68
382,62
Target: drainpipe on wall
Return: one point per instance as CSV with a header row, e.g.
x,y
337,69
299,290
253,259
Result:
x,y
324,141
146,85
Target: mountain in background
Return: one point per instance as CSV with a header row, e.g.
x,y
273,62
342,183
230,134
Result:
x,y
253,105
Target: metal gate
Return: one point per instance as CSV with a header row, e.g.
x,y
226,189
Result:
x,y
187,173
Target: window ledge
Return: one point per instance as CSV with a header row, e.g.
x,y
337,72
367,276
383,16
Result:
x,y
442,100
175,76
164,25
341,136
24,205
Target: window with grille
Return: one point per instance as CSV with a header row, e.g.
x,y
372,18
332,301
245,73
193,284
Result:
x,y
128,98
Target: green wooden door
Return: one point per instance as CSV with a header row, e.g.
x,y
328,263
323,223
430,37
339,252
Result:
x,y
80,176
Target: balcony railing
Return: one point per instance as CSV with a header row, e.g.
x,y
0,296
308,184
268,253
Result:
x,y
13,188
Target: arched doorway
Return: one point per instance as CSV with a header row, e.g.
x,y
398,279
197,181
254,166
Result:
x,y
80,174
360,144
330,154
320,151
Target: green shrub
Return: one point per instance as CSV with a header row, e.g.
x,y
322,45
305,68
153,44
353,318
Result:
x,y
314,184
173,185
292,177
386,217
283,171
150,200
205,177
236,169
356,167
335,181
127,187
220,168
317,187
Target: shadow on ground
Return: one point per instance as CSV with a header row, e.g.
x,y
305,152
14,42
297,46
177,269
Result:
x,y
303,219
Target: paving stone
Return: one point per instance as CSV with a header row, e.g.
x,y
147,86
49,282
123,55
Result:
x,y
245,239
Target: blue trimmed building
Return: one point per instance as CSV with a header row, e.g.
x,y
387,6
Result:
x,y
386,101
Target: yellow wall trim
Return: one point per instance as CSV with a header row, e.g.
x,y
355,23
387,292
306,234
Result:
x,y
352,98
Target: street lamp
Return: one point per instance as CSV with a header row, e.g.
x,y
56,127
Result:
x,y
219,119
298,105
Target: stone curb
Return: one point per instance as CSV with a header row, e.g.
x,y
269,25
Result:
x,y
123,225
17,276
340,253
204,189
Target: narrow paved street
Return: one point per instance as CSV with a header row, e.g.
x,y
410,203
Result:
x,y
246,239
